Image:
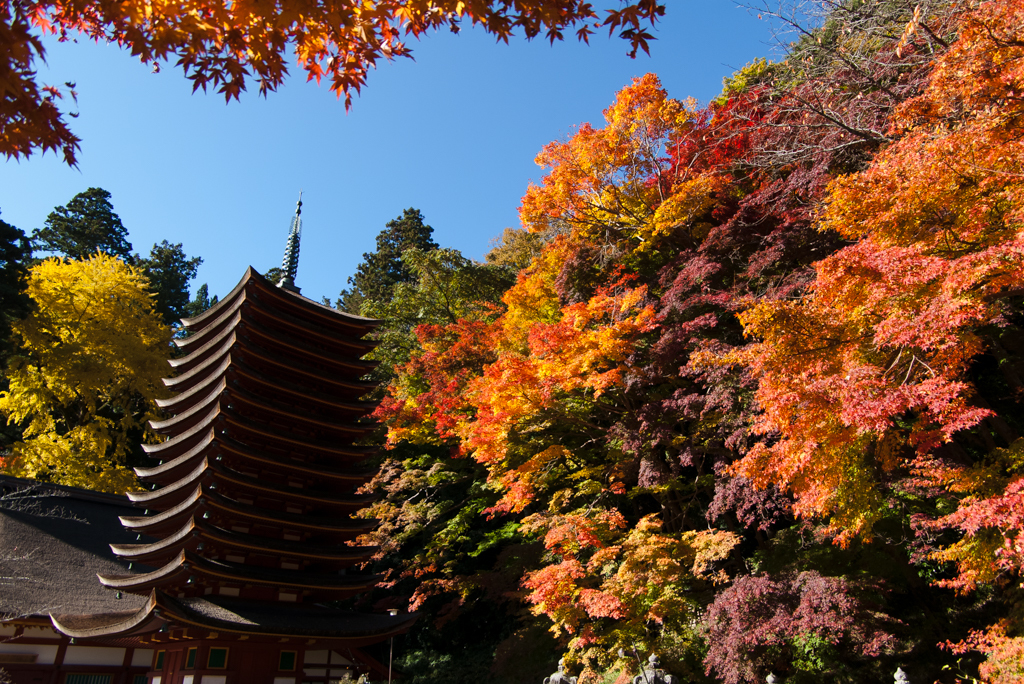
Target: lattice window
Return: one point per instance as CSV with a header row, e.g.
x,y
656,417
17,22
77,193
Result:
x,y
73,678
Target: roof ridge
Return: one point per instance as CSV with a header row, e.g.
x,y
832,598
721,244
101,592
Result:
x,y
68,491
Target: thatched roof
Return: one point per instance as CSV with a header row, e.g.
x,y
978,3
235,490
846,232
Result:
x,y
53,542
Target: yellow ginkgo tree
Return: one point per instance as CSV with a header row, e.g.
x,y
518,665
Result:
x,y
93,352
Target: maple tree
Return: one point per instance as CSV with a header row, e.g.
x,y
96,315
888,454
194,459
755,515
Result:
x,y
875,363
553,393
228,46
789,625
877,381
727,338
613,405
93,353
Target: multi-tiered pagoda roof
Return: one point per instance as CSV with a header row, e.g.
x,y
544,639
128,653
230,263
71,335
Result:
x,y
248,525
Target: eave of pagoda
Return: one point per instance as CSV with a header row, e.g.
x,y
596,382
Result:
x,y
229,353
174,493
213,446
306,469
209,505
339,322
186,441
188,568
307,422
247,377
163,617
284,621
236,325
307,374
217,335
298,394
161,551
235,370
283,520
221,394
205,373
316,498
210,475
248,431
195,413
167,521
289,344
184,400
198,325
273,316
200,532
314,312
174,469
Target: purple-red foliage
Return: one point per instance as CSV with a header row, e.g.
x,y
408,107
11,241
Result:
x,y
757,624
753,507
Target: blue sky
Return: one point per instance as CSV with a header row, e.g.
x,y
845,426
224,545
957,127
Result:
x,y
453,133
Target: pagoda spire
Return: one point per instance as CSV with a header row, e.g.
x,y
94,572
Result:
x,y
290,262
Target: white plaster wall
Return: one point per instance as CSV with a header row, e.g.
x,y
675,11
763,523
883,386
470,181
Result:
x,y
93,655
46,654
143,657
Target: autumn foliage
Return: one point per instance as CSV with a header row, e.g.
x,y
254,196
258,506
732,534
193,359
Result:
x,y
755,405
745,391
228,46
91,359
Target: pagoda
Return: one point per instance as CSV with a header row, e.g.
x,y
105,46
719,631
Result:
x,y
247,528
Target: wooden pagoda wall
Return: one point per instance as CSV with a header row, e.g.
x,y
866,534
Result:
x,y
33,653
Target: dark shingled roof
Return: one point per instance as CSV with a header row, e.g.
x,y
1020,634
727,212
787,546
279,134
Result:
x,y
238,615
53,542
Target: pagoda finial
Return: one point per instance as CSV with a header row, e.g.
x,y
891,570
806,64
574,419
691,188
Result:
x,y
290,262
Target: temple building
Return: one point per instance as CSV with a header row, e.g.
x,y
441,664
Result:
x,y
227,570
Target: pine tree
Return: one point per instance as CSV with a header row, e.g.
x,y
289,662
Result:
x,y
201,302
15,251
170,271
376,277
87,224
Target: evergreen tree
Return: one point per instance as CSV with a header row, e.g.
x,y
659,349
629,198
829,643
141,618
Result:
x,y
15,304
376,277
87,224
15,251
274,274
201,302
170,271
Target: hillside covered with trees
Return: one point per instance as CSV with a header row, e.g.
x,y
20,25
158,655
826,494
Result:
x,y
745,391
751,399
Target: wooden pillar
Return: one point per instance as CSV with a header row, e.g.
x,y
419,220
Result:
x,y
58,661
126,663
